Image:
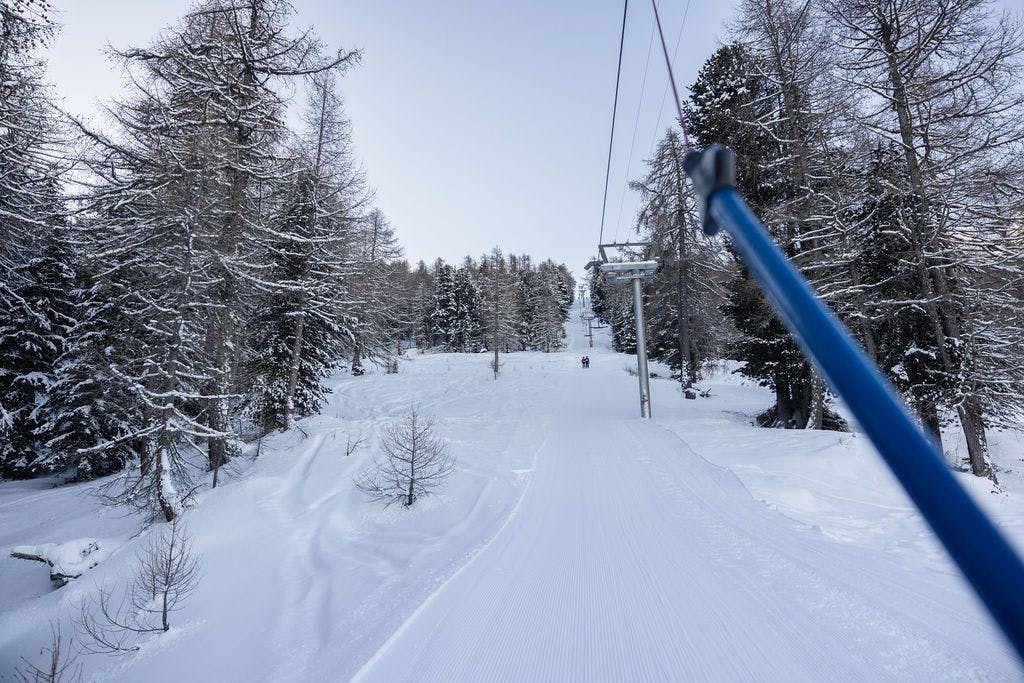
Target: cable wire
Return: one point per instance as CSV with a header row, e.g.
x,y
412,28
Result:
x,y
615,106
672,78
636,127
664,93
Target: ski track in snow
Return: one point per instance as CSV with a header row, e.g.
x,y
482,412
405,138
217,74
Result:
x,y
575,542
653,564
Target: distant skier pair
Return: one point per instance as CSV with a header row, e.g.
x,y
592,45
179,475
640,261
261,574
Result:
x,y
586,361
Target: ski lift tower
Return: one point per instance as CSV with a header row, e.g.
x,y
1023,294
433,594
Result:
x,y
588,318
635,273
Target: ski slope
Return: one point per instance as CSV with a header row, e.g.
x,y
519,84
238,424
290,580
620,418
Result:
x,y
633,558
575,542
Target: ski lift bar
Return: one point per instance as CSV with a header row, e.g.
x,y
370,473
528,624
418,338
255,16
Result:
x,y
978,548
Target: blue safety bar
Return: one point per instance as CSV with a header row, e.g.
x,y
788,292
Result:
x,y
982,553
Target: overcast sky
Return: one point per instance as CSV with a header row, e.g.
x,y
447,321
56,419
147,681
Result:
x,y
480,122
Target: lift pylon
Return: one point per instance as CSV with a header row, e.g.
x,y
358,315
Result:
x,y
635,273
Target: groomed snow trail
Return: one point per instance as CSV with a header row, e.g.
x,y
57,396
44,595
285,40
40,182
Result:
x,y
630,557
574,542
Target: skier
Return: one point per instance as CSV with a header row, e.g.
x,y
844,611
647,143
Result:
x,y
586,362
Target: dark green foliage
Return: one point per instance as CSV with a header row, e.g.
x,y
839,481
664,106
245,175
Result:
x,y
90,411
36,317
453,321
729,103
298,261
534,303
905,347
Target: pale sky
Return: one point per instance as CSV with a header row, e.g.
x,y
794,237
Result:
x,y
479,122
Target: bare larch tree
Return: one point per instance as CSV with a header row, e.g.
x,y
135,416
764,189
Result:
x,y
416,462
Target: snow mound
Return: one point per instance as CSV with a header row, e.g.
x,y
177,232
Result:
x,y
67,560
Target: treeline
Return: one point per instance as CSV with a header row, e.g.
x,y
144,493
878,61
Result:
x,y
189,275
880,142
505,303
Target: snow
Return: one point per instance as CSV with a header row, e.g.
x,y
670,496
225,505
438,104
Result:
x,y
67,560
575,541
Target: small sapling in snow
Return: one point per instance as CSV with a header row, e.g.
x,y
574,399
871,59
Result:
x,y
352,444
166,575
61,664
415,462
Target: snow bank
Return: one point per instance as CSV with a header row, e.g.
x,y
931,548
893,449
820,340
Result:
x,y
67,560
836,482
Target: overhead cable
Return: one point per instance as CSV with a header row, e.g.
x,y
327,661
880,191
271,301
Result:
x,y
615,106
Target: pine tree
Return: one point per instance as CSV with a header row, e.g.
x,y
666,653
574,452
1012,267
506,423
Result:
x,y
303,319
497,302
467,311
901,339
91,413
36,272
762,99
947,74
294,335
35,323
377,302
179,216
686,327
418,301
729,99
444,321
218,71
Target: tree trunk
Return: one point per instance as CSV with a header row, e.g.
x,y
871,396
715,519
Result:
x,y
817,408
163,614
293,367
867,333
222,332
974,432
495,361
783,402
496,327
809,411
687,369
801,403
413,447
930,418
933,272
217,447
357,357
687,357
166,495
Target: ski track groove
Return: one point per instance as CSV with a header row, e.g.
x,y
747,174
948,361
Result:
x,y
512,516
631,557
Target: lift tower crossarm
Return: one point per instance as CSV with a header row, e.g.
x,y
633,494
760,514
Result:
x,y
620,245
624,273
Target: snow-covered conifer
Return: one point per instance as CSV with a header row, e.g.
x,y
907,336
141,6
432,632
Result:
x,y
303,318
948,76
686,327
36,270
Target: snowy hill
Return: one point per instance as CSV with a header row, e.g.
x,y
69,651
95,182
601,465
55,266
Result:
x,y
574,542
